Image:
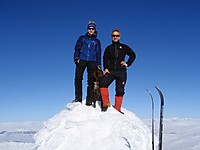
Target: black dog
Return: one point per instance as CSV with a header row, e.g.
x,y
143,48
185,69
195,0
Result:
x,y
97,75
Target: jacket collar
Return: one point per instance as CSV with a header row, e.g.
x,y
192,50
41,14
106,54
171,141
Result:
x,y
91,35
115,42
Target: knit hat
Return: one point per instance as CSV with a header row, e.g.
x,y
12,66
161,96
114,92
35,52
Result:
x,y
91,24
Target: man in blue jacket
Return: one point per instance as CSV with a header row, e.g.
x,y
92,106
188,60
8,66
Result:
x,y
87,54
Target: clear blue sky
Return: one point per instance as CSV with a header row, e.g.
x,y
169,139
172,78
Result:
x,y
37,39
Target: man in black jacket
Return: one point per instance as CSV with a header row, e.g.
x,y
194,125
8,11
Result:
x,y
115,69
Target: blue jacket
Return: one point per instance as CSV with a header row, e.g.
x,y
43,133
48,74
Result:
x,y
88,48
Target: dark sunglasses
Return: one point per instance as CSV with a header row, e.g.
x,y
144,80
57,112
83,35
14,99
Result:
x,y
90,28
115,35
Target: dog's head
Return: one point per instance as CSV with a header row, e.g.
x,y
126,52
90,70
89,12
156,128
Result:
x,y
98,74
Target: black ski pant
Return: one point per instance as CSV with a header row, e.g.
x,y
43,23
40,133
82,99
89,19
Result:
x,y
120,77
80,68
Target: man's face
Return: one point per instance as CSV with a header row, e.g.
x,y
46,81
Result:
x,y
91,30
115,36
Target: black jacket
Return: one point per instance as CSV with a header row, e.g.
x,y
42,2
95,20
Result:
x,y
115,53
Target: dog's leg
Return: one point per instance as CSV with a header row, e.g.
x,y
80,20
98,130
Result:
x,y
94,98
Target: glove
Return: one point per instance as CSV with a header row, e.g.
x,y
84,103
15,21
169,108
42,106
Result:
x,y
76,61
99,67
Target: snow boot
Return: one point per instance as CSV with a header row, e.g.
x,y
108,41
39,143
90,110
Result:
x,y
104,108
77,100
118,103
105,99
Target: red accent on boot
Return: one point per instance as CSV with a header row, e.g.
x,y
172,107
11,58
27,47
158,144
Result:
x,y
118,102
105,96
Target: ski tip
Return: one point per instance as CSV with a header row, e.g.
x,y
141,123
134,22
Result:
x,y
149,94
147,90
157,88
159,91
161,94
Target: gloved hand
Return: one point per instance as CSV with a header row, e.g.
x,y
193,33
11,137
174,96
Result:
x,y
76,61
99,67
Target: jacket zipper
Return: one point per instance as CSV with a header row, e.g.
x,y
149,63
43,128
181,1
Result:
x,y
116,55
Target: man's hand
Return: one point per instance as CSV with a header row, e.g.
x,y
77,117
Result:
x,y
124,63
106,72
99,67
76,61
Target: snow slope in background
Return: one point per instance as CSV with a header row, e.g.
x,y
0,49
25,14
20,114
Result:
x,y
87,128
179,133
18,135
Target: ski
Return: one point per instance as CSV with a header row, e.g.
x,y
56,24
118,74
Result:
x,y
161,118
152,122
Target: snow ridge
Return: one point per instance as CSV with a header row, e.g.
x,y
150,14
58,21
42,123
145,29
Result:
x,y
86,128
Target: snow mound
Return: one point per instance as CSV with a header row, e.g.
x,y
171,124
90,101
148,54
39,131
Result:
x,y
79,127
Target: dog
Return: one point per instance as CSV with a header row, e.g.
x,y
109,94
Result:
x,y
97,76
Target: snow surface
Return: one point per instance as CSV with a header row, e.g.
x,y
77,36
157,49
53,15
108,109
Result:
x,y
79,127
179,133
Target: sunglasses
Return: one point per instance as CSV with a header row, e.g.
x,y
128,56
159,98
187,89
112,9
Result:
x,y
115,35
90,28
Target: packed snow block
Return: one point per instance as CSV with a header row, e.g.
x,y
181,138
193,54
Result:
x,y
79,127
